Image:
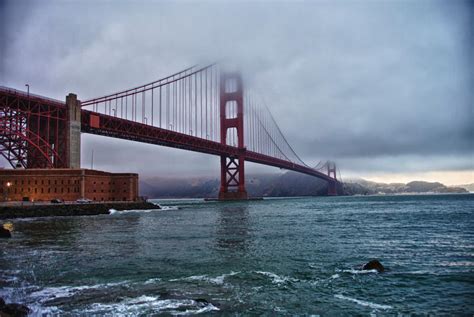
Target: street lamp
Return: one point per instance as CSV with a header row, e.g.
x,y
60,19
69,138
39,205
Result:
x,y
6,192
28,92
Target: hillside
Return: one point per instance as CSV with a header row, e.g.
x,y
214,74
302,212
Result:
x,y
468,187
364,187
282,185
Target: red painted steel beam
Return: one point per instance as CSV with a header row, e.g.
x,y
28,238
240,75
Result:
x,y
134,131
130,130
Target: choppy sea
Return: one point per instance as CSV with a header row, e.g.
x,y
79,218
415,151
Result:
x,y
292,256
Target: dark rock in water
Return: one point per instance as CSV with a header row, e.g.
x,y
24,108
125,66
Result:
x,y
201,301
15,310
164,295
4,233
374,265
2,303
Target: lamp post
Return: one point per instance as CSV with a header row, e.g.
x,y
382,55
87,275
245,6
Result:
x,y
28,94
6,191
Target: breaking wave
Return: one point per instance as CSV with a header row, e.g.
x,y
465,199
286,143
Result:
x,y
363,303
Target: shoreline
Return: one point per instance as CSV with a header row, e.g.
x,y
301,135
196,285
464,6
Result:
x,y
89,209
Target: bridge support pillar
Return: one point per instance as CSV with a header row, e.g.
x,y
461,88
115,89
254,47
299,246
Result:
x,y
232,179
332,188
332,184
73,132
232,123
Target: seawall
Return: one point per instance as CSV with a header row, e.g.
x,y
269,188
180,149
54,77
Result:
x,y
48,210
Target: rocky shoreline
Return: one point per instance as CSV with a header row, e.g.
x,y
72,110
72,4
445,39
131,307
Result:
x,y
13,309
8,212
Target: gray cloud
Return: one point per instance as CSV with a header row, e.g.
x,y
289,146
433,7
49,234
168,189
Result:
x,y
359,82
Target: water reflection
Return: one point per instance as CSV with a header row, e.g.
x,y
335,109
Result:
x,y
109,236
46,232
233,228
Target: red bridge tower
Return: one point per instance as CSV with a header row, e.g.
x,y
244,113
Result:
x,y
232,117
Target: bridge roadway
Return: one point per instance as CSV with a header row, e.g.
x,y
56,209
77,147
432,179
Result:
x,y
111,126
129,130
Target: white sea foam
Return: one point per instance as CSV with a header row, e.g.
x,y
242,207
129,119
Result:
x,y
152,280
458,263
354,271
49,293
277,279
169,207
214,280
363,303
119,212
334,276
149,304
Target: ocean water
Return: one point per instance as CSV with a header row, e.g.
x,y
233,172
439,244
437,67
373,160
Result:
x,y
294,256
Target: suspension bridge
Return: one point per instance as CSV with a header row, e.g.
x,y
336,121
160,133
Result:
x,y
199,109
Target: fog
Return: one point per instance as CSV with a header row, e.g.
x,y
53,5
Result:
x,y
377,86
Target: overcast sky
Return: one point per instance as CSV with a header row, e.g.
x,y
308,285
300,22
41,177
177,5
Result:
x,y
384,88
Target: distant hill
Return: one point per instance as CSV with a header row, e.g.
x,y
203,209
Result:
x,y
468,187
364,187
282,185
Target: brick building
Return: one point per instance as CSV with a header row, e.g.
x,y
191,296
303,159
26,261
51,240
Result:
x,y
67,184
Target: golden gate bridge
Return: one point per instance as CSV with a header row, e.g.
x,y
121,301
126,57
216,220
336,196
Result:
x,y
201,109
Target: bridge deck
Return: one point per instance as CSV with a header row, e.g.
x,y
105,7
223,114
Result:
x,y
130,130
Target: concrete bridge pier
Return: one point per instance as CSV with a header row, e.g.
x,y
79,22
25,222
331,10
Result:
x,y
73,132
